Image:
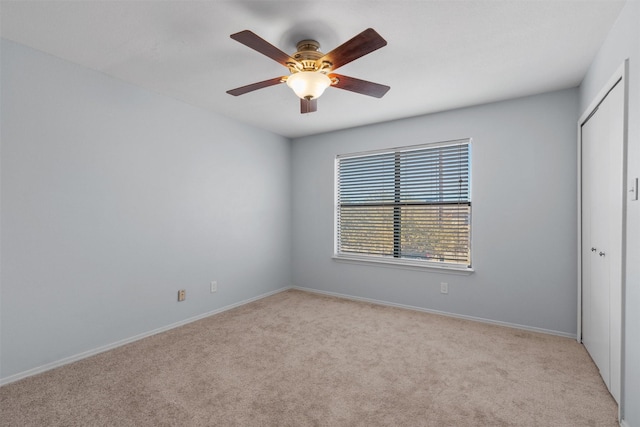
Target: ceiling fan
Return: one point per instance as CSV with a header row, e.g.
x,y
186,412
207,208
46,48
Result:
x,y
311,70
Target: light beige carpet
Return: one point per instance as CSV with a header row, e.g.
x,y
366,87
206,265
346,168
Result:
x,y
300,359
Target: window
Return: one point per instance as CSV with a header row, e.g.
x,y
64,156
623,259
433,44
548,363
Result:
x,y
409,205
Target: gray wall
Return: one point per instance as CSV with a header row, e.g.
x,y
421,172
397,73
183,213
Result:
x,y
524,214
624,42
113,198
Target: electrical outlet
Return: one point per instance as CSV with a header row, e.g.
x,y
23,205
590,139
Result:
x,y
214,286
444,288
182,294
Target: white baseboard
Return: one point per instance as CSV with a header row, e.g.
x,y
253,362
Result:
x,y
92,352
442,313
102,349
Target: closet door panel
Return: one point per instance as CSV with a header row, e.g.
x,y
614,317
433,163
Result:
x,y
596,300
615,195
602,198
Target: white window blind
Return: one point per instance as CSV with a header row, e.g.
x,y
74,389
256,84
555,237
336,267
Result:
x,y
410,203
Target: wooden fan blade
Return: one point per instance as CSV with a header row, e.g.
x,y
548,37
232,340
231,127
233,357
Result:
x,y
255,86
362,44
359,86
308,105
259,44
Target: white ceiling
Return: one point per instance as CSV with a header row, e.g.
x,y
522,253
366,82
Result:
x,y
441,54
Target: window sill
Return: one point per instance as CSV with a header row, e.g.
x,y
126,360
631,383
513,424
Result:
x,y
405,264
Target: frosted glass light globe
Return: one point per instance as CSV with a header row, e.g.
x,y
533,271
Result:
x,y
308,84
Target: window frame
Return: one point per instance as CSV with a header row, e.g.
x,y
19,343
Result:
x,y
396,262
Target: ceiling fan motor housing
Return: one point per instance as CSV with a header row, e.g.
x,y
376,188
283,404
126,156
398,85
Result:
x,y
308,56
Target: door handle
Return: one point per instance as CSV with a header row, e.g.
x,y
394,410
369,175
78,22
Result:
x,y
601,253
593,249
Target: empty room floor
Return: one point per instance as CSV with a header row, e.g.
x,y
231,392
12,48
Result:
x,y
302,359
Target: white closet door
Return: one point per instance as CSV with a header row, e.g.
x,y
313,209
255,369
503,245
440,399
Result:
x,y
615,209
602,203
589,134
595,334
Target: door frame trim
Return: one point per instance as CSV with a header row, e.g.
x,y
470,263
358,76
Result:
x,y
620,76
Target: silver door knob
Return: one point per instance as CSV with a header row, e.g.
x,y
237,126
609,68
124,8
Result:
x,y
601,254
593,249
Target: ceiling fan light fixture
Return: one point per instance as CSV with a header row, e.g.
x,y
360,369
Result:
x,y
308,84
311,71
